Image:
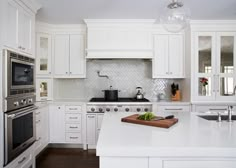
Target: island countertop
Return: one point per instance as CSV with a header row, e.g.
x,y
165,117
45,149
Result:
x,y
191,136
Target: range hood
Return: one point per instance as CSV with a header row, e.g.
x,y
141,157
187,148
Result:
x,y
119,39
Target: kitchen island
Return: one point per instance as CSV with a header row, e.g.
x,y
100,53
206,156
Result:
x,y
191,143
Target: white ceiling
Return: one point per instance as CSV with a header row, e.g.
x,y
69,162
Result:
x,y
74,11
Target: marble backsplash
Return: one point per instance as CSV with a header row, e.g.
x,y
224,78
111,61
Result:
x,y
124,75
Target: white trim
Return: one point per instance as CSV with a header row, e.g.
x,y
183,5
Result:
x,y
33,5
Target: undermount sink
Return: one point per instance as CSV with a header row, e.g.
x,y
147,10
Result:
x,y
215,117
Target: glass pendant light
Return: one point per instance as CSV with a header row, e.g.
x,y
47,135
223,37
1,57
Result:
x,y
175,17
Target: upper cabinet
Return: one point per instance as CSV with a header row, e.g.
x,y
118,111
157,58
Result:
x,y
168,60
119,38
69,56
214,63
20,27
44,54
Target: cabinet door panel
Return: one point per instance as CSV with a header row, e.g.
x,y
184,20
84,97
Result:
x,y
226,73
176,56
43,54
77,57
57,124
11,27
160,60
91,129
61,55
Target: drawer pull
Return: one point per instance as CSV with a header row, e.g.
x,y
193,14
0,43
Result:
x,y
73,109
73,127
37,113
217,109
22,160
73,118
38,121
174,109
91,116
74,137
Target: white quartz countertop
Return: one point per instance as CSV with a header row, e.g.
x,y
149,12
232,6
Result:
x,y
191,136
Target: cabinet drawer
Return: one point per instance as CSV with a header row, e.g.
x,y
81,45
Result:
x,y
74,137
73,127
73,118
199,163
73,109
211,108
173,109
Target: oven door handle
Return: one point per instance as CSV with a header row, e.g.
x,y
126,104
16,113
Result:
x,y
19,114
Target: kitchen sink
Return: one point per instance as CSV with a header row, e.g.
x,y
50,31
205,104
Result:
x,y
215,117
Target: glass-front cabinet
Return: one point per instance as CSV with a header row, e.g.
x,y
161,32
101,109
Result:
x,y
214,59
44,54
43,89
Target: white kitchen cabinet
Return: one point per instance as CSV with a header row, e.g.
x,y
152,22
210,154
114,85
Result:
x,y
43,54
57,123
91,129
42,129
191,163
43,89
173,108
99,124
214,61
212,108
93,122
69,56
19,28
66,124
168,60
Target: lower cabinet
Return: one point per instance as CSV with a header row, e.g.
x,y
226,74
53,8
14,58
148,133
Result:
x,y
192,163
42,127
66,124
173,108
93,125
213,108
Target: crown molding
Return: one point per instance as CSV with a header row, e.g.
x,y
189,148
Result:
x,y
33,5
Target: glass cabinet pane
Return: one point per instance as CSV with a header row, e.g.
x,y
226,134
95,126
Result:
x,y
226,86
205,54
43,54
43,89
204,86
227,54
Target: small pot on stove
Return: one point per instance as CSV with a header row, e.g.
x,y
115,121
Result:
x,y
139,94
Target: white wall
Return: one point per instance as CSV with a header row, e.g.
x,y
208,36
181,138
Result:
x,y
125,75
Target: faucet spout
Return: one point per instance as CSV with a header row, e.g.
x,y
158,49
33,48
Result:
x,y
105,76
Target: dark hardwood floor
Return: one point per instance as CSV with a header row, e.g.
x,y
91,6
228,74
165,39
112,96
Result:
x,y
67,158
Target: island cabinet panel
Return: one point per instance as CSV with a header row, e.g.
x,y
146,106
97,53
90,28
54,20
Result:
x,y
192,163
123,162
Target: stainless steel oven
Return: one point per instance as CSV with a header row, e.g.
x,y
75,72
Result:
x,y
19,74
19,131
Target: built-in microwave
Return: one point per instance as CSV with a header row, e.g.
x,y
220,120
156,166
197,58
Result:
x,y
19,74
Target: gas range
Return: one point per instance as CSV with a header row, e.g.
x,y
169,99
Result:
x,y
99,105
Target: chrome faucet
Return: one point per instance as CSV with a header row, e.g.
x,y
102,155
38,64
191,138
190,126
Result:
x,y
230,111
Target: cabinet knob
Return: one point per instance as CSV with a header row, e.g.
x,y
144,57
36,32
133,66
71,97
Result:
x,y
70,72
167,73
49,72
19,47
170,72
66,72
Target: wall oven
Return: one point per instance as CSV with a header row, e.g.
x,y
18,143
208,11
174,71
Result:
x,y
19,132
19,74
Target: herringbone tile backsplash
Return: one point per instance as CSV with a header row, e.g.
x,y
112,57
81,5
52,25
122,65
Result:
x,y
124,75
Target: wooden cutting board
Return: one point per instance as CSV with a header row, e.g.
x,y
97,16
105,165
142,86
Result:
x,y
167,123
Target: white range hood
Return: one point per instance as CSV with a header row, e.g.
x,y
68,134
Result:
x,y
121,39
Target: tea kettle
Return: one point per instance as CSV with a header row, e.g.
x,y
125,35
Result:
x,y
139,94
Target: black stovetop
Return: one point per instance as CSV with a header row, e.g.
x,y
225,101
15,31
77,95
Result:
x,y
122,99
